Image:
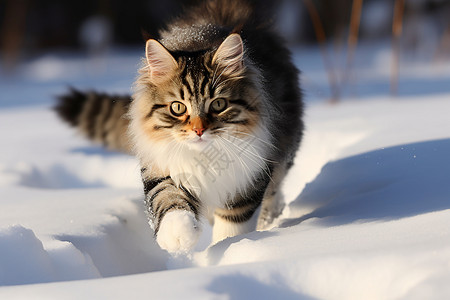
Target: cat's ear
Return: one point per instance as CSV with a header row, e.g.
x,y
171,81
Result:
x,y
230,55
160,62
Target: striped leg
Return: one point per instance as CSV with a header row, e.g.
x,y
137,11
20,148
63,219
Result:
x,y
272,206
174,213
234,221
241,215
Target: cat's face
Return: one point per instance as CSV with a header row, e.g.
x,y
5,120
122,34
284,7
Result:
x,y
199,97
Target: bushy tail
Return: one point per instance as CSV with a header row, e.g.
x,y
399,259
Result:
x,y
100,117
237,13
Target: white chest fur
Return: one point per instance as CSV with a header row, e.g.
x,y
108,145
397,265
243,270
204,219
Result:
x,y
214,172
220,169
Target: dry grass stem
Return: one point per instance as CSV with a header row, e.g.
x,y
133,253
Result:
x,y
321,38
352,41
397,27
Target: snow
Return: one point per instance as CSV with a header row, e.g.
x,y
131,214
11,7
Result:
x,y
367,215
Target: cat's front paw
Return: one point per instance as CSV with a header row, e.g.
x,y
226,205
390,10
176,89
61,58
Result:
x,y
178,232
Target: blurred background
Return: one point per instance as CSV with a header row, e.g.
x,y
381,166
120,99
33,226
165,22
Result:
x,y
97,44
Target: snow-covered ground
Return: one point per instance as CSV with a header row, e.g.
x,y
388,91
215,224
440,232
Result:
x,y
368,214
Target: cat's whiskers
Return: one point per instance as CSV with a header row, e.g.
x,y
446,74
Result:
x,y
230,154
244,165
226,131
247,134
256,157
245,149
169,149
264,168
177,151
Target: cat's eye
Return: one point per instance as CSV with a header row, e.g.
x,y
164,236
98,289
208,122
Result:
x,y
177,108
218,105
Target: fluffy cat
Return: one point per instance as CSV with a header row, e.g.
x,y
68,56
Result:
x,y
215,121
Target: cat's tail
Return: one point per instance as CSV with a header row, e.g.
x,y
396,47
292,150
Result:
x,y
100,117
238,13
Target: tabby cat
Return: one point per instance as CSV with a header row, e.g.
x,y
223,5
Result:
x,y
215,120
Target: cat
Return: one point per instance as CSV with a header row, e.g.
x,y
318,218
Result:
x,y
215,120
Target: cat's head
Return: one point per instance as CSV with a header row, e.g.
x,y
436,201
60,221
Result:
x,y
196,97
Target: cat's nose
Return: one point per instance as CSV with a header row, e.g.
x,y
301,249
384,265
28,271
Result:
x,y
199,131
198,126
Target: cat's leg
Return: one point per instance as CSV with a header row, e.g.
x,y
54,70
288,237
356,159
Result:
x,y
174,214
240,215
234,221
272,204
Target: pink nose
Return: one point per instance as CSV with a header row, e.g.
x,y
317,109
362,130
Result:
x,y
198,126
199,131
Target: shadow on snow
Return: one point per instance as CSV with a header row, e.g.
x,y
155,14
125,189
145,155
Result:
x,y
389,183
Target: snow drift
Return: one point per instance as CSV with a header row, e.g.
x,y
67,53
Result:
x,y
367,215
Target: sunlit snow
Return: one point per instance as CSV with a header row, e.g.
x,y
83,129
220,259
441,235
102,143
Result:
x,y
368,199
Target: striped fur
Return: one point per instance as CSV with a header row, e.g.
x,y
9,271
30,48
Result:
x,y
215,121
162,195
99,117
